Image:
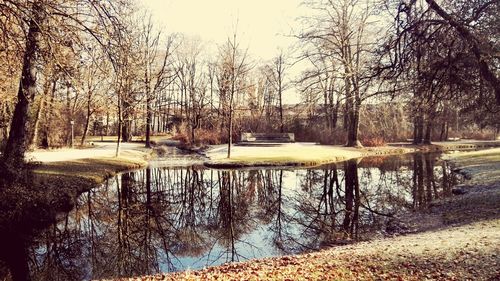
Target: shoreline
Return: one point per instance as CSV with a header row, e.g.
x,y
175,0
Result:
x,y
307,155
95,170
88,173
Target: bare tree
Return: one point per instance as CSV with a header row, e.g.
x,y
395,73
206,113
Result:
x,y
278,74
40,16
339,32
233,69
452,71
483,52
157,67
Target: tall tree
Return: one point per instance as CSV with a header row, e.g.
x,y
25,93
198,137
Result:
x,y
485,53
17,143
338,30
157,65
40,17
233,68
278,73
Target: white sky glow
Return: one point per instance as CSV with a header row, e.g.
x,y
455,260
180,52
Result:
x,y
262,25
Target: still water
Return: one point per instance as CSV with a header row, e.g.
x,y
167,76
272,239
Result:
x,y
176,218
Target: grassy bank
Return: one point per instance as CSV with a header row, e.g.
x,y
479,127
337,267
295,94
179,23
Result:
x,y
84,174
471,165
309,155
463,145
458,238
296,154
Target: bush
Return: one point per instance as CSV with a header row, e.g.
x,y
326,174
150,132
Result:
x,y
207,137
373,141
479,135
182,138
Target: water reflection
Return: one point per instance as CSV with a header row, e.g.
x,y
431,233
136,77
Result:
x,y
168,219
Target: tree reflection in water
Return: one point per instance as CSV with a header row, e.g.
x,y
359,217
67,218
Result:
x,y
167,219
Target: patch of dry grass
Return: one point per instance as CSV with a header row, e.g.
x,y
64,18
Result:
x,y
85,173
291,155
482,167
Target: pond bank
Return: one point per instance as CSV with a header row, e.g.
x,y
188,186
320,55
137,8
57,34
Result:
x,y
93,165
87,168
458,238
310,154
292,155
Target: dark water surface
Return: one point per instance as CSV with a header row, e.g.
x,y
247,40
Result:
x,y
171,219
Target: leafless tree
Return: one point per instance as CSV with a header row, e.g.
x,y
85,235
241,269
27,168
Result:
x,y
233,69
277,74
339,32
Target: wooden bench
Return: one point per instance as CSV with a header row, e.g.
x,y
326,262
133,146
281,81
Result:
x,y
267,137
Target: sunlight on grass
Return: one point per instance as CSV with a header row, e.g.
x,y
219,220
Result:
x,y
89,171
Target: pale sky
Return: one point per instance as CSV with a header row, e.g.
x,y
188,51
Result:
x,y
262,24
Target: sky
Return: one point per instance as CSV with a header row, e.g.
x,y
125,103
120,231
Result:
x,y
263,26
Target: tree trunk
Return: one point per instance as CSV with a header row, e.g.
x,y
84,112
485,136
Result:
x,y
34,135
48,117
69,139
230,133
353,132
149,117
106,132
282,126
5,117
126,123
347,109
335,115
418,130
87,121
443,136
17,143
230,130
119,128
428,132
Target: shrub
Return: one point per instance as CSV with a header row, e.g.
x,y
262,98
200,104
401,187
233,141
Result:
x,y
373,141
204,137
478,135
182,138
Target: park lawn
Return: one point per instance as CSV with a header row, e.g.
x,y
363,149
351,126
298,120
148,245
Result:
x,y
471,164
296,154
